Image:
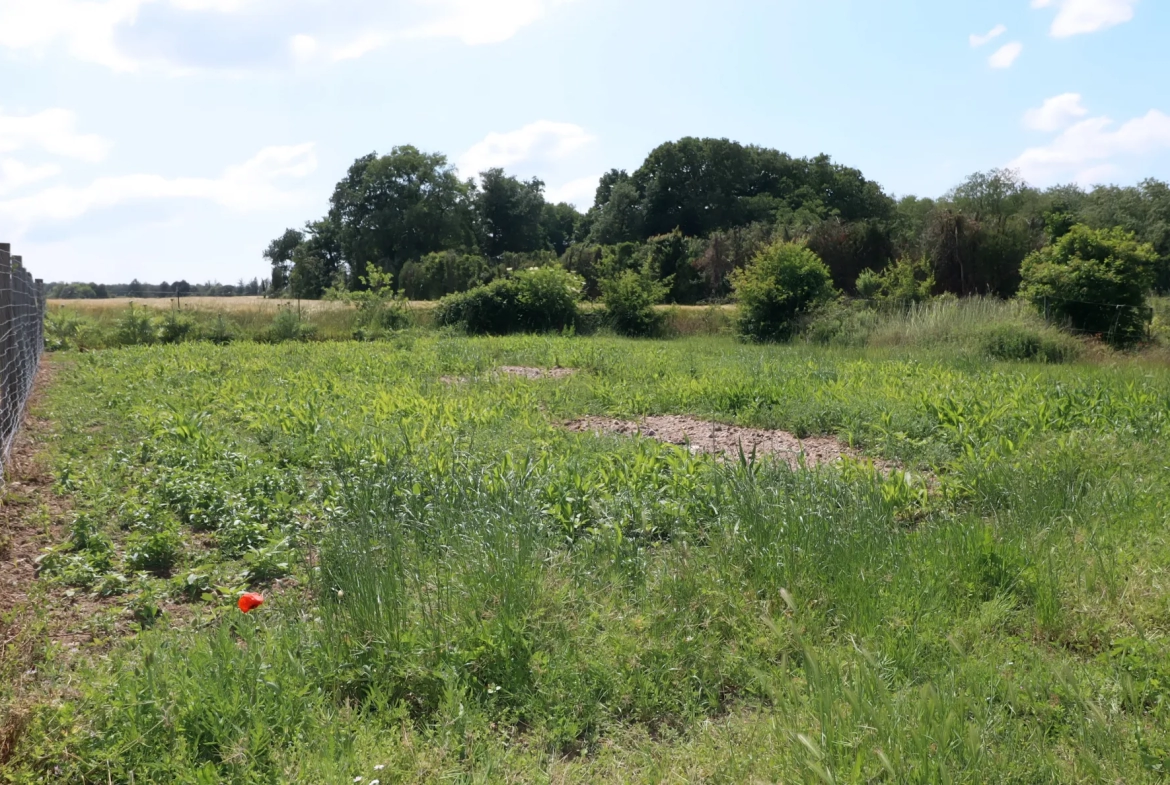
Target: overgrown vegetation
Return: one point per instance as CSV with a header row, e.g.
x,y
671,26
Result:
x,y
478,594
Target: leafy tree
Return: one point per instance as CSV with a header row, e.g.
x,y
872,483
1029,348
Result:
x,y
510,213
559,225
619,220
847,248
280,255
783,282
398,207
1096,279
670,259
1143,210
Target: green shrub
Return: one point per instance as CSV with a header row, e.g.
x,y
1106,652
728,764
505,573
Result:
x,y
782,283
1012,342
437,275
217,332
905,282
174,328
287,325
155,552
1095,280
134,328
629,303
839,323
535,300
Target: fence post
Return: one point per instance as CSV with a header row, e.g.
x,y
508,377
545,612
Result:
x,y
8,396
42,310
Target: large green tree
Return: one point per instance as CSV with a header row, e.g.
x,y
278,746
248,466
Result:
x,y
398,207
280,255
510,213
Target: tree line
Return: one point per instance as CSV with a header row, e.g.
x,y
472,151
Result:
x,y
694,212
139,290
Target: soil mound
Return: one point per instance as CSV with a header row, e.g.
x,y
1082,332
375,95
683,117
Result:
x,y
537,373
702,436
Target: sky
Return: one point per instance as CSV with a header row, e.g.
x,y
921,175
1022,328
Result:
x,y
168,139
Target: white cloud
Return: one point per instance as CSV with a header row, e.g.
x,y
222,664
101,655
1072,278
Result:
x,y
92,30
1074,17
542,141
248,187
303,47
15,175
979,40
52,131
579,192
1056,113
1006,55
1082,150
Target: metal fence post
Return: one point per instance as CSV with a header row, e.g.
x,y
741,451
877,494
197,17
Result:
x,y
8,394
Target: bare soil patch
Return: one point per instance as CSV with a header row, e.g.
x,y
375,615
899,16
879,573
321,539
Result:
x,y
537,373
726,441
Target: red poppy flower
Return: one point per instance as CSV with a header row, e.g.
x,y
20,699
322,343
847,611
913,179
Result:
x,y
250,601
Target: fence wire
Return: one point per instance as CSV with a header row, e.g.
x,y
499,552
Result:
x,y
22,340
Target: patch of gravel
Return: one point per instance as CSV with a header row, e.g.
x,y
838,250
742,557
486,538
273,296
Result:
x,y
537,373
725,441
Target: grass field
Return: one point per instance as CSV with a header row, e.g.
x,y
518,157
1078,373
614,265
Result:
x,y
460,589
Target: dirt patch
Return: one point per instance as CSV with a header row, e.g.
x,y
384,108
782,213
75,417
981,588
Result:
x,y
537,373
726,441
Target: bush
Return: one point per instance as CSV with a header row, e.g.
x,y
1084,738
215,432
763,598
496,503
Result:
x,y
218,332
1011,342
536,300
287,326
156,552
905,282
629,303
1095,280
782,283
439,274
174,328
134,328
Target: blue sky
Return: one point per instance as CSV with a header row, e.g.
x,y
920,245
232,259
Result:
x,y
166,139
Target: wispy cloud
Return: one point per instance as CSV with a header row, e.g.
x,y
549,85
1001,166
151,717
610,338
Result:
x,y
15,174
1094,147
252,186
542,141
53,131
1006,55
127,35
1076,17
979,40
1056,113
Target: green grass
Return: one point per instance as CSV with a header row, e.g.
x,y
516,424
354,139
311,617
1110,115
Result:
x,y
479,595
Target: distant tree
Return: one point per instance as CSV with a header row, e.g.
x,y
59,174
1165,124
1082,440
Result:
x,y
1097,279
391,209
559,225
620,219
510,212
848,248
135,289
1144,210
280,254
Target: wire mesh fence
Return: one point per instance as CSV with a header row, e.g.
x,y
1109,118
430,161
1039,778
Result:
x,y
22,340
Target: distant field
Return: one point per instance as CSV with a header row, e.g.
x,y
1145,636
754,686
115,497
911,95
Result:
x,y
201,303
